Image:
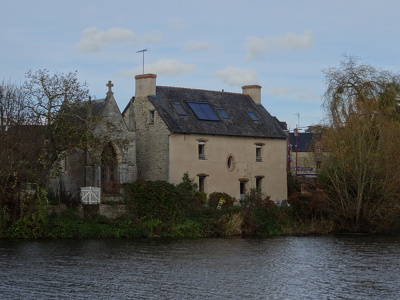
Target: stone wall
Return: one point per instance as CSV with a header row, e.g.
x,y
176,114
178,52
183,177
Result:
x,y
151,141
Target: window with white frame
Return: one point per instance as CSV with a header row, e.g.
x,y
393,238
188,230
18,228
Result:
x,y
259,152
201,149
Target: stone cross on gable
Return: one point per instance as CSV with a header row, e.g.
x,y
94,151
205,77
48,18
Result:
x,y
110,85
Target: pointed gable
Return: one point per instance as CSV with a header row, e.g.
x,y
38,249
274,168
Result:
x,y
213,112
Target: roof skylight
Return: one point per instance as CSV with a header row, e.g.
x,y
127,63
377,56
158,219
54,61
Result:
x,y
203,111
252,116
223,113
179,109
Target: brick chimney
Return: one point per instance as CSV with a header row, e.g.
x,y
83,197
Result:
x,y
145,85
254,91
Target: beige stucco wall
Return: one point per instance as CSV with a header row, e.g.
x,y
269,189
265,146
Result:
x,y
183,157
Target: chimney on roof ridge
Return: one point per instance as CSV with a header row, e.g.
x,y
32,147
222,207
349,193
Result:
x,y
254,91
145,85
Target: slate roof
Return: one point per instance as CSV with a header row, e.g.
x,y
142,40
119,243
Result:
x,y
304,140
98,106
85,108
235,105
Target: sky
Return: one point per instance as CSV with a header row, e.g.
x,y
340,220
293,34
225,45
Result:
x,y
284,45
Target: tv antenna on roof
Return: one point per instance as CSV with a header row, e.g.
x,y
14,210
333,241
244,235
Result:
x,y
143,51
298,119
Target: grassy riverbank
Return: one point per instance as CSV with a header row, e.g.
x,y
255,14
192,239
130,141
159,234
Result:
x,y
160,209
204,222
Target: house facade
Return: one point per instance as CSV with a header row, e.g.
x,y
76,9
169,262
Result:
x,y
227,142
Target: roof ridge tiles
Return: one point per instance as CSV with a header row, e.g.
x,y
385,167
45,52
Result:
x,y
184,88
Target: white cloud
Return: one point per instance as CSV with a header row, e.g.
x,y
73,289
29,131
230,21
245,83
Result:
x,y
94,39
257,47
197,46
310,96
282,91
295,94
163,67
237,76
152,37
176,24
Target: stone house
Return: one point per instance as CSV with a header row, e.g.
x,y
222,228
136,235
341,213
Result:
x,y
227,142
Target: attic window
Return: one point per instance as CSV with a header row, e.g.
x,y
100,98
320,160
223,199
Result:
x,y
179,109
252,116
203,111
222,113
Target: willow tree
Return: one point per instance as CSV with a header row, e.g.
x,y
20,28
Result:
x,y
361,176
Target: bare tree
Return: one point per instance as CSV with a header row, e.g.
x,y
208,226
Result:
x,y
47,117
60,104
361,175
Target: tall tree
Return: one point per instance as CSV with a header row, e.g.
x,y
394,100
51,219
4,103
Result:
x,y
42,120
361,175
61,105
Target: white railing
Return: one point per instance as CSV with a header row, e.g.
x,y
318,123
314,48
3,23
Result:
x,y
90,195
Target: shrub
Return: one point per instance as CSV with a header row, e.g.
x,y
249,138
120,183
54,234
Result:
x,y
153,200
215,197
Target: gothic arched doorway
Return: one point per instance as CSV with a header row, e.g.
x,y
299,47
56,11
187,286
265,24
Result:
x,y
109,175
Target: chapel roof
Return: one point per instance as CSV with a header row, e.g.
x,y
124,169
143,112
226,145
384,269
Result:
x,y
231,114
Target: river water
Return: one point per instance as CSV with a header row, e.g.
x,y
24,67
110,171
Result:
x,y
330,267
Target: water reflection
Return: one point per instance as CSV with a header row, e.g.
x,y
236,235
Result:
x,y
341,267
